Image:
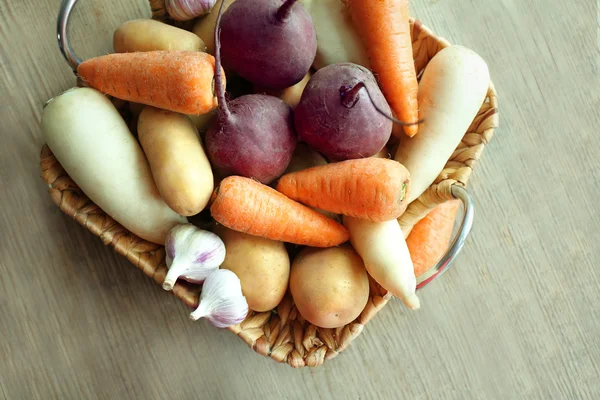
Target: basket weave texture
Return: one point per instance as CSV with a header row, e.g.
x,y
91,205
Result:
x,y
282,333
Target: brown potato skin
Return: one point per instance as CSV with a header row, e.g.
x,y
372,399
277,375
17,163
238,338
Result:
x,y
263,266
149,35
179,165
329,286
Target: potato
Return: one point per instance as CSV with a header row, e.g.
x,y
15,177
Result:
x,y
148,35
291,95
200,121
93,144
263,266
179,165
205,27
329,286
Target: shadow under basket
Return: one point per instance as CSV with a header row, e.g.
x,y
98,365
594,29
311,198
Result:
x,y
282,333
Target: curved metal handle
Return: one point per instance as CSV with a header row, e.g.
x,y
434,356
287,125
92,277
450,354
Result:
x,y
62,23
463,232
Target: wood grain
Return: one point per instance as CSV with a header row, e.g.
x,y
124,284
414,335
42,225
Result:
x,y
517,317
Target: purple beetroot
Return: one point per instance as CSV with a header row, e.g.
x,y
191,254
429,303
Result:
x,y
253,135
343,114
271,43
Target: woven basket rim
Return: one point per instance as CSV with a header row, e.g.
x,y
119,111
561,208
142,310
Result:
x,y
281,334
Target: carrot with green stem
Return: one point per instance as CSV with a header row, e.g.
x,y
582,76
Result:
x,y
370,188
384,28
247,206
430,237
174,80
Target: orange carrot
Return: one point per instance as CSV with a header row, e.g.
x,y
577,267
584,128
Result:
x,y
384,28
179,81
368,188
248,206
429,239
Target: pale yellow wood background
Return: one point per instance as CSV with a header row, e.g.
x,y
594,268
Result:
x,y
518,316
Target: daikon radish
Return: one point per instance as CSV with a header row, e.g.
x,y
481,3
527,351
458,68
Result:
x,y
451,92
385,254
93,144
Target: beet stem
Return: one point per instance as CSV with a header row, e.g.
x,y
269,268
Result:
x,y
284,11
218,76
350,97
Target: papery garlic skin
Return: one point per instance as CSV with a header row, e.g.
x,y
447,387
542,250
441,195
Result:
x,y
192,254
221,301
184,10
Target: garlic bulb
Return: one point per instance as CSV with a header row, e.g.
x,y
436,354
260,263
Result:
x,y
183,10
221,301
192,254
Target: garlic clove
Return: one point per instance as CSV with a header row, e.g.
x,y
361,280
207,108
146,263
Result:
x,y
229,312
184,10
221,301
192,254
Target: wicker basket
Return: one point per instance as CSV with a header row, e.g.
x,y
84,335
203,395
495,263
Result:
x,y
282,333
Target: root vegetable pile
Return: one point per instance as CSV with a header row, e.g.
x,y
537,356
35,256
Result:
x,y
275,162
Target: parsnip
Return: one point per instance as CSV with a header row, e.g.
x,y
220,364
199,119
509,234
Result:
x,y
93,144
451,92
385,254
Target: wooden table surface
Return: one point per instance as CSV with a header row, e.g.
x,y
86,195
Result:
x,y
517,317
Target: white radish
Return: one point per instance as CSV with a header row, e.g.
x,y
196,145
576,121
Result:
x,y
93,144
385,254
452,89
337,39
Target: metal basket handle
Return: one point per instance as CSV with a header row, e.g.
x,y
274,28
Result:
x,y
66,6
459,241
